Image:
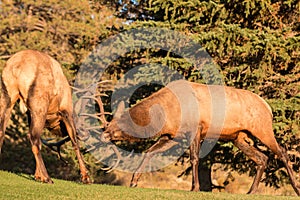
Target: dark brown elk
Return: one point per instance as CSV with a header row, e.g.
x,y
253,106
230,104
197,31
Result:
x,y
246,116
38,81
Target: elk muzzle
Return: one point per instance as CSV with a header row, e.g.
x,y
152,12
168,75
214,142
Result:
x,y
105,137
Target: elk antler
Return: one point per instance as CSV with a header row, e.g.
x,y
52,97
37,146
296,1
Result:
x,y
95,95
58,145
119,157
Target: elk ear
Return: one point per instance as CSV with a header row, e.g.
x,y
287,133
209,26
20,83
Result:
x,y
120,110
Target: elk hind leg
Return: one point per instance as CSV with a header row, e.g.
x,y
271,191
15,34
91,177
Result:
x,y
6,106
284,157
38,118
271,143
243,142
164,143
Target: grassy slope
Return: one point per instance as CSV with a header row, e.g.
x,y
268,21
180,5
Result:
x,y
13,186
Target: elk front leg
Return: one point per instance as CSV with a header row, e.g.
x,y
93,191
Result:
x,y
163,144
194,159
68,121
36,127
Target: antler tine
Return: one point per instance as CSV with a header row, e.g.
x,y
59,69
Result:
x,y
94,127
91,88
96,116
105,84
101,95
79,90
102,112
119,157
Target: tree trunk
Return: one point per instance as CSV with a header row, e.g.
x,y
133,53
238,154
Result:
x,y
205,175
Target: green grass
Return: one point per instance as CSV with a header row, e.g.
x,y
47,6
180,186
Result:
x,y
14,186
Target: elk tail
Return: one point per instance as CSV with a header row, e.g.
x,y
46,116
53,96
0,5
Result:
x,y
23,107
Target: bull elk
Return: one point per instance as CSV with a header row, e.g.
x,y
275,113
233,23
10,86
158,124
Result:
x,y
246,116
38,81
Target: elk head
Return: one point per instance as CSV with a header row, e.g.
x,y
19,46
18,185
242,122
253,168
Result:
x,y
114,131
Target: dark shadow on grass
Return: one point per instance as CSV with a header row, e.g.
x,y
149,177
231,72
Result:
x,y
26,176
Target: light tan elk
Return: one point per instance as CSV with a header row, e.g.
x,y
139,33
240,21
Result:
x,y
246,116
38,81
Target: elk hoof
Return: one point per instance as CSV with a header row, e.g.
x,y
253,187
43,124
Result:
x,y
86,180
44,180
194,190
133,185
49,181
251,192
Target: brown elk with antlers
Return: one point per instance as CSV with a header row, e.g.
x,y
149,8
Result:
x,y
246,116
38,81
